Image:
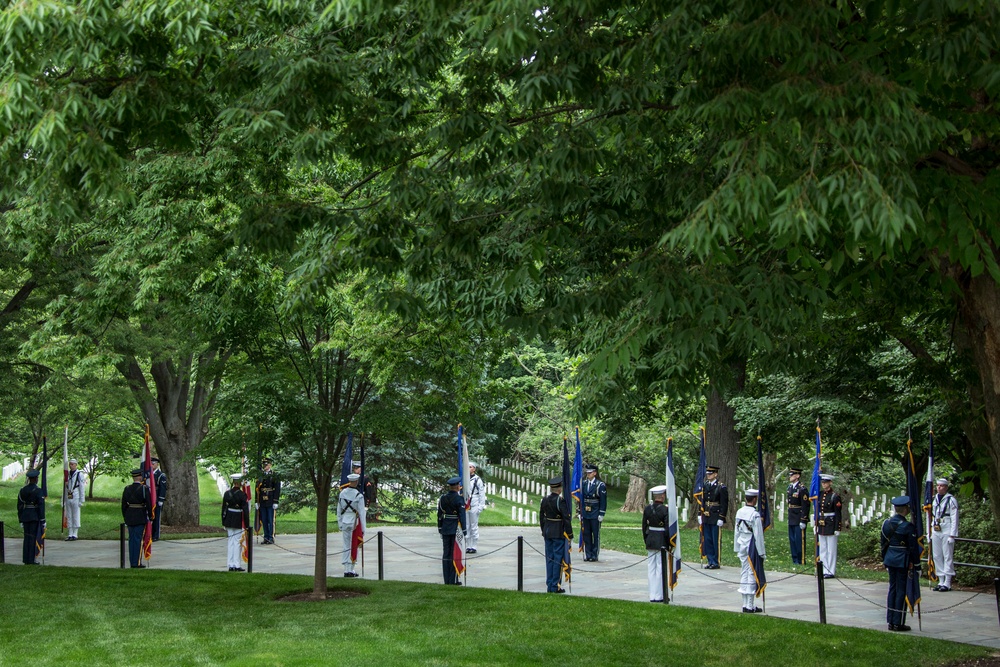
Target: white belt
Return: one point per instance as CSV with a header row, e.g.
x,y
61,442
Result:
x,y
829,514
230,509
657,529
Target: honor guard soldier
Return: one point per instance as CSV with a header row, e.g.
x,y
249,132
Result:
x,y
594,504
748,528
451,516
76,486
828,522
655,518
160,479
365,484
798,514
31,513
900,552
137,508
944,530
268,495
716,506
557,528
477,503
350,513
235,518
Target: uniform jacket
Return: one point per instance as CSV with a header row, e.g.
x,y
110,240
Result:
x,y
555,519
30,504
368,490
136,504
235,509
268,489
655,518
716,501
899,542
830,509
451,513
351,509
798,503
945,515
746,526
160,478
595,498
477,497
76,487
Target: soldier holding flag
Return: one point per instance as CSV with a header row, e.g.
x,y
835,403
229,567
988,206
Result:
x,y
351,515
900,552
31,514
137,507
655,520
556,520
748,543
235,518
451,515
798,514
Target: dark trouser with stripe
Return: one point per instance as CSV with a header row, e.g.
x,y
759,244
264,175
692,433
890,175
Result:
x,y
28,548
591,537
795,542
267,521
554,553
156,521
135,543
711,531
448,559
897,596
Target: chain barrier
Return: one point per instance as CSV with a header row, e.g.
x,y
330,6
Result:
x,y
415,553
922,611
477,555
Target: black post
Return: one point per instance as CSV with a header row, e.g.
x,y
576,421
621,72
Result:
x,y
663,574
381,572
520,563
822,591
3,555
249,537
996,588
121,544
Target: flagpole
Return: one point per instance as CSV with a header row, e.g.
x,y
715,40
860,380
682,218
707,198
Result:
x,y
65,493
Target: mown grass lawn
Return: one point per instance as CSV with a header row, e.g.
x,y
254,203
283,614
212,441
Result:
x,y
59,616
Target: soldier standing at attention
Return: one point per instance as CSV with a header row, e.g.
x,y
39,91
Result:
x,y
900,552
160,479
828,524
451,515
944,513
557,528
136,510
477,503
268,495
350,512
235,518
716,499
654,533
594,503
30,512
798,514
76,486
748,528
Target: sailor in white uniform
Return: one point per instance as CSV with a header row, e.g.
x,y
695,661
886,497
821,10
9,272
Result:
x,y
748,527
477,503
944,530
76,488
350,512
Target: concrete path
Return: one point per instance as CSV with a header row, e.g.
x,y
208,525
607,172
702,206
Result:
x,y
412,553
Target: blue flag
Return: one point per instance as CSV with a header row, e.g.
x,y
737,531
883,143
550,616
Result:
x,y
576,484
699,492
673,534
763,501
929,506
814,484
567,497
345,467
913,491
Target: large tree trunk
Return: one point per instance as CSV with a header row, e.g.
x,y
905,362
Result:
x,y
635,497
722,440
322,539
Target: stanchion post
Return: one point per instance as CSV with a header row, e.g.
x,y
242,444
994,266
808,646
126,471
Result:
x,y
822,591
520,562
663,574
249,534
121,544
996,589
3,555
381,571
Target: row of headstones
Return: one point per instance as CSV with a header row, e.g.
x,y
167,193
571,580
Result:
x,y
221,481
14,469
859,514
536,470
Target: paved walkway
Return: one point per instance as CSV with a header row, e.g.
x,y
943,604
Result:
x,y
412,553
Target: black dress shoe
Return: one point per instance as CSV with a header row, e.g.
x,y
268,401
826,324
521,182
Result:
x,y
141,567
747,611
350,575
238,569
828,576
560,590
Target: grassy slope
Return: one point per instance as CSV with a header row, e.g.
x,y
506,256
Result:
x,y
209,618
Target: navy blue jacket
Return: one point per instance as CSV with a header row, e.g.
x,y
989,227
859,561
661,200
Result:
x,y
451,513
899,542
30,504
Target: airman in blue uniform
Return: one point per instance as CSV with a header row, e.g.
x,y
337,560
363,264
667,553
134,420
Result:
x,y
31,513
900,552
451,515
594,504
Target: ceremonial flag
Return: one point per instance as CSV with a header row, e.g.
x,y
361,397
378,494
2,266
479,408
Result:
x,y
763,500
258,520
65,490
673,534
458,550
576,484
814,484
929,506
567,497
40,534
913,491
147,476
245,536
699,493
345,467
358,534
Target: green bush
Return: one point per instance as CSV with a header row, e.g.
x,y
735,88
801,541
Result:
x,y
976,521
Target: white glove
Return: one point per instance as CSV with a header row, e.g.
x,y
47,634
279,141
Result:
x,y
836,533
803,525
159,503
814,529
950,540
256,506
699,519
275,505
600,519
721,522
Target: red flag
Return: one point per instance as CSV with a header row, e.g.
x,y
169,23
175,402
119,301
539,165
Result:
x,y
147,475
458,553
357,537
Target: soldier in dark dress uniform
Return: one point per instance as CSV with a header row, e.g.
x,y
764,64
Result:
x,y
655,519
450,515
268,495
828,523
366,486
557,528
716,504
900,552
235,518
160,479
136,510
594,505
31,513
798,514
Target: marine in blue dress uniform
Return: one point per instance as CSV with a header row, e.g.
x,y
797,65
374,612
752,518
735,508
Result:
x,y
30,513
715,501
268,495
557,528
137,508
450,515
900,552
594,503
160,479
798,513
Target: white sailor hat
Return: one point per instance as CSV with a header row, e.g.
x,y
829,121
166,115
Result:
x,y
944,481
660,490
73,461
751,493
826,478
236,476
355,464
353,477
472,464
